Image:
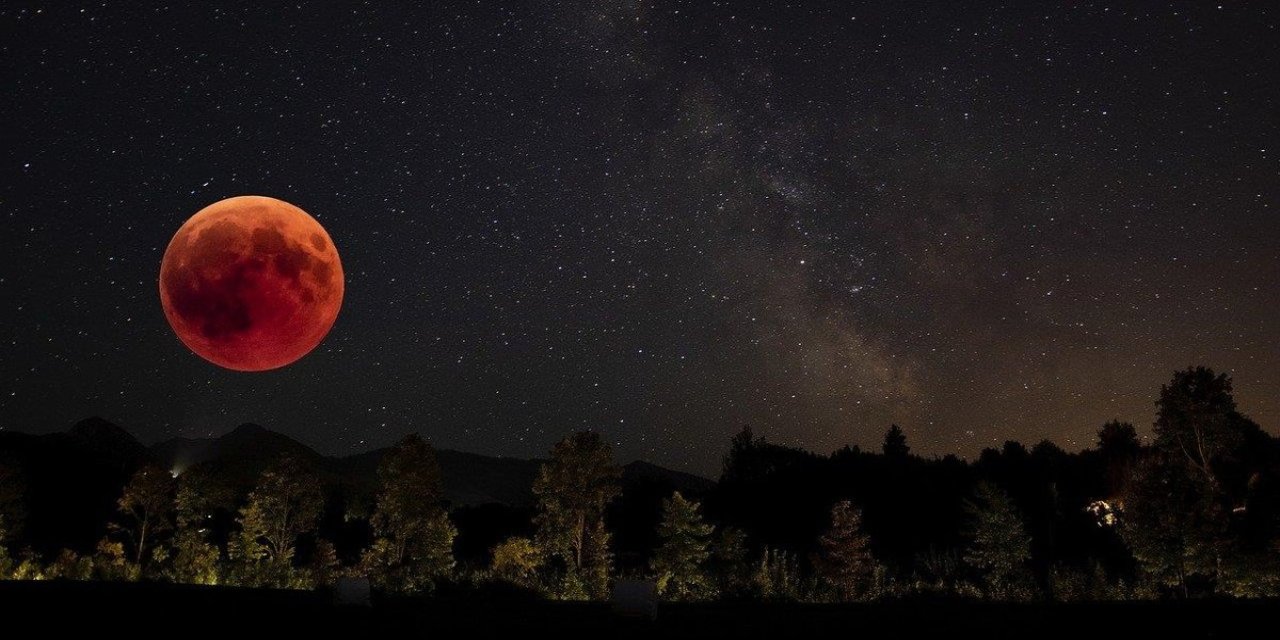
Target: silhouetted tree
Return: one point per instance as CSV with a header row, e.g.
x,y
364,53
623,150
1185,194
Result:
x,y
845,563
516,560
1014,452
573,488
1118,440
1194,418
285,505
146,510
414,536
1119,447
999,545
738,461
895,443
683,549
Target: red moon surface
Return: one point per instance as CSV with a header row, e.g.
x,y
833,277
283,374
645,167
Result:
x,y
251,283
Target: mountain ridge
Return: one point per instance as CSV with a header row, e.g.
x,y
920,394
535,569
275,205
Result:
x,y
239,456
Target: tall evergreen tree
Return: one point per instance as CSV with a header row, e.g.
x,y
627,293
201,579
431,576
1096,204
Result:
x,y
683,550
414,536
999,545
845,563
573,489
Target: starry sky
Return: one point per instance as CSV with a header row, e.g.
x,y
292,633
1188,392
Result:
x,y
660,220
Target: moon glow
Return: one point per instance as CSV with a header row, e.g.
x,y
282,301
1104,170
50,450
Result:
x,y
251,283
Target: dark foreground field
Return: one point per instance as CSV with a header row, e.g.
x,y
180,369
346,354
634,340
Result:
x,y
147,610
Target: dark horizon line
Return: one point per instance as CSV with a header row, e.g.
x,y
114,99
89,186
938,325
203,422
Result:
x,y
1143,439
313,449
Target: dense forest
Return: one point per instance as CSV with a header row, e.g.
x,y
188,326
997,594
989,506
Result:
x,y
1190,512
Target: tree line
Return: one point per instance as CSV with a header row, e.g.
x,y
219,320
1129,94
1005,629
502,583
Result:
x,y
1192,512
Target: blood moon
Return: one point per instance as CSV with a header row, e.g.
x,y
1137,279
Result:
x,y
251,283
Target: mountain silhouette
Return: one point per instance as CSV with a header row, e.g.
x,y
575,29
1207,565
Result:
x,y
73,479
470,479
239,457
108,442
248,442
641,472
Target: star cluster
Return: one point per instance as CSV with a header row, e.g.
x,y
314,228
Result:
x,y
660,220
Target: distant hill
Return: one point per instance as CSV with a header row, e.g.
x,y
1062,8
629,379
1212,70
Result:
x,y
248,442
107,442
239,457
470,479
639,472
235,459
74,478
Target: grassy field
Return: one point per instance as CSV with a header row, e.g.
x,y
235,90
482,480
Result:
x,y
156,610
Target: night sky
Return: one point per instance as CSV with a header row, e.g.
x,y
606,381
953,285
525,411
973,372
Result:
x,y
659,220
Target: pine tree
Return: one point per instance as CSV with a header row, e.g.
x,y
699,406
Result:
x,y
845,563
999,547
573,489
683,550
414,536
